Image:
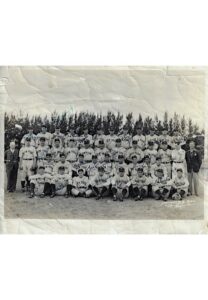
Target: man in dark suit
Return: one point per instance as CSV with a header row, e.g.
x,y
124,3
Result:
x,y
11,159
193,160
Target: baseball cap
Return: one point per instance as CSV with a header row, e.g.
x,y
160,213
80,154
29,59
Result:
x,y
121,169
101,142
41,167
158,157
81,155
160,170
86,142
139,169
150,143
146,156
71,140
80,170
94,156
107,154
43,125
62,155
164,142
57,140
179,170
118,140
48,155
28,139
120,156
61,168
101,169
134,142
42,139
134,156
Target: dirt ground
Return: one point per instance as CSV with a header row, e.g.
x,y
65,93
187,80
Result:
x,y
18,205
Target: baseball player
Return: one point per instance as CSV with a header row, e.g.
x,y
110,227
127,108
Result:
x,y
111,139
134,165
44,134
120,163
81,185
177,137
87,151
147,166
140,138
92,168
152,137
41,151
151,152
30,135
56,150
166,156
64,163
85,137
100,183
61,183
126,138
158,165
48,163
165,137
161,186
135,150
140,184
101,150
118,150
27,163
120,185
180,185
57,135
178,158
40,184
71,151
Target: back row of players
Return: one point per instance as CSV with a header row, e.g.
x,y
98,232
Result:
x,y
102,164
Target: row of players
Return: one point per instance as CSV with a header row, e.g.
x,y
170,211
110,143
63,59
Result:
x,y
87,157
119,186
109,140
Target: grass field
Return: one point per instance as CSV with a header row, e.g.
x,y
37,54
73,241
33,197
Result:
x,y
18,205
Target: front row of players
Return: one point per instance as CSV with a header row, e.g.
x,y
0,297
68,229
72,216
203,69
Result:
x,y
119,187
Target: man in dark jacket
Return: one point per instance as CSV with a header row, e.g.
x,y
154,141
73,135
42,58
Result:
x,y
11,159
193,160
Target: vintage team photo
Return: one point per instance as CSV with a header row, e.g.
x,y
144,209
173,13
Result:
x,y
104,144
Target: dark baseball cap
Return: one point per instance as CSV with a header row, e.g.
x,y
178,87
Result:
x,y
139,169
61,168
150,143
120,156
134,142
80,170
121,169
42,139
101,169
28,139
41,167
118,140
62,155
101,142
86,142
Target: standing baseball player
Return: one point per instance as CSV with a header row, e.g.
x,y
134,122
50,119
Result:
x,y
140,184
81,185
111,139
99,136
126,138
87,151
152,137
180,185
166,156
100,184
61,183
178,158
151,152
71,135
120,185
27,164
57,135
101,150
11,158
139,137
31,136
41,151
108,165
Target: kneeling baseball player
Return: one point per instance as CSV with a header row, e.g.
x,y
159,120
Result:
x,y
180,185
140,184
61,183
120,185
161,186
81,185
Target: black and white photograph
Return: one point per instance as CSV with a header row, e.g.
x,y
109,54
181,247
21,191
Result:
x,y
123,143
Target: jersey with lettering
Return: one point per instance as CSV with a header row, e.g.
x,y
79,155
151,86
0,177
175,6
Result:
x,y
39,179
108,167
49,166
156,167
100,181
111,141
121,181
33,138
161,182
135,152
126,140
140,180
55,152
152,154
166,155
141,140
97,138
42,151
80,182
66,165
101,153
118,151
92,169
87,152
61,181
27,152
133,168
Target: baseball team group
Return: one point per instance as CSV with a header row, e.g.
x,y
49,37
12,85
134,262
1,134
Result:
x,y
117,166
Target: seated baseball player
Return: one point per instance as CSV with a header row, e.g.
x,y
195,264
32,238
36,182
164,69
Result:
x,y
61,183
92,168
120,185
180,185
87,151
71,151
48,164
101,150
79,164
42,150
81,185
118,150
151,152
100,183
40,184
120,163
140,184
135,150
147,166
153,138
132,167
63,163
158,165
56,149
161,186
